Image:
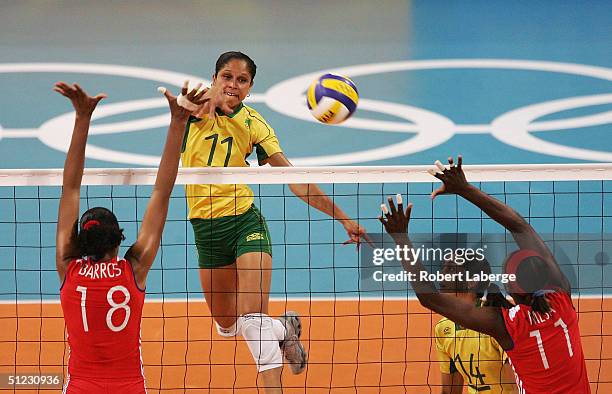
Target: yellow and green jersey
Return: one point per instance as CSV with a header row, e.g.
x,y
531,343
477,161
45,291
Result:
x,y
477,357
225,141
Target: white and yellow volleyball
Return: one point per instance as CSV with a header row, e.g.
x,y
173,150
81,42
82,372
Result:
x,y
332,98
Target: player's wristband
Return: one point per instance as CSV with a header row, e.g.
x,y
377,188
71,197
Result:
x,y
185,103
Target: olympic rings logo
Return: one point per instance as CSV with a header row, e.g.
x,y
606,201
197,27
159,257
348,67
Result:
x,y
427,129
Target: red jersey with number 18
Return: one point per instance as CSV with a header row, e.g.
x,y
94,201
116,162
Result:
x,y
547,355
102,307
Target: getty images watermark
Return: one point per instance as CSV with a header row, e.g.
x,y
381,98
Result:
x,y
459,256
381,270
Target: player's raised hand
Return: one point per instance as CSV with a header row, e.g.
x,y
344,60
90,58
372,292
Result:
x,y
215,98
452,177
356,233
195,96
176,111
191,100
83,104
396,220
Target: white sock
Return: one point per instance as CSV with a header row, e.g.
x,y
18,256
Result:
x,y
279,329
257,329
228,332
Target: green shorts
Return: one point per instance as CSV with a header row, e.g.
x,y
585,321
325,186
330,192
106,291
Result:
x,y
221,241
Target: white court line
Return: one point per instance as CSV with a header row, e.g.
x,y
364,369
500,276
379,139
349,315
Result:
x,y
19,133
472,128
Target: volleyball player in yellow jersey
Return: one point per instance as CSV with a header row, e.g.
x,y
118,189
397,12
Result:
x,y
467,357
231,236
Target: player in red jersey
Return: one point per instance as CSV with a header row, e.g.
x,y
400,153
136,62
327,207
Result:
x,y
102,295
540,333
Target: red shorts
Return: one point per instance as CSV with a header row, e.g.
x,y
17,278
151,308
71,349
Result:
x,y
76,385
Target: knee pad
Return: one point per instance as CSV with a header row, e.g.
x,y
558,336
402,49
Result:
x,y
258,331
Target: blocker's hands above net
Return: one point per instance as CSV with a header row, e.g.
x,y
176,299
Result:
x,y
213,98
452,177
185,103
83,104
396,220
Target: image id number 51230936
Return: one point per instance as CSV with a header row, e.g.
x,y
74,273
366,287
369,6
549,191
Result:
x,y
31,380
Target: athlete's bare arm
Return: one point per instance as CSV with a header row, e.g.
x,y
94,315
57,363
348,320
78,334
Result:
x,y
454,182
312,195
142,253
84,105
487,320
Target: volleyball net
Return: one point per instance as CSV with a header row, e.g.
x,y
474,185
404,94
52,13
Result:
x,y
363,327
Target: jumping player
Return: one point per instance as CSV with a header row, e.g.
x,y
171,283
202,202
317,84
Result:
x,y
231,235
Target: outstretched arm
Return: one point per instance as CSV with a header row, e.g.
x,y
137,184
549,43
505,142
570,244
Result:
x,y
68,214
142,253
454,182
487,320
312,195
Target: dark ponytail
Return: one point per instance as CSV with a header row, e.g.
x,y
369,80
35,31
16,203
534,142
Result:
x,y
539,303
532,279
495,298
96,241
99,233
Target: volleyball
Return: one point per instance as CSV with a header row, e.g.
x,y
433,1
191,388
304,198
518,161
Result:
x,y
332,98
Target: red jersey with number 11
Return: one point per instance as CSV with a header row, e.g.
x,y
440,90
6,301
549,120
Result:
x,y
103,308
547,355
